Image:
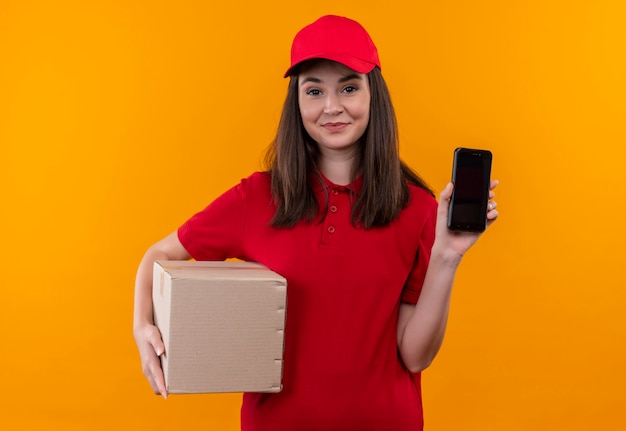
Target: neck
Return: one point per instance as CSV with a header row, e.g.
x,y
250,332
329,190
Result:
x,y
336,167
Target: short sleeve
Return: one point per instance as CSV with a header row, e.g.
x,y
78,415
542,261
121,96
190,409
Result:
x,y
415,281
215,233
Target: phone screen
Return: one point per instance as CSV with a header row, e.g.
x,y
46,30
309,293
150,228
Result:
x,y
471,176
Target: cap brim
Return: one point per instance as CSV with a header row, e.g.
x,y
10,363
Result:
x,y
356,64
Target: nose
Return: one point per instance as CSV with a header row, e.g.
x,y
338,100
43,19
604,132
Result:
x,y
332,105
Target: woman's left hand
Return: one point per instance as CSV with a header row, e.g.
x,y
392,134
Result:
x,y
455,241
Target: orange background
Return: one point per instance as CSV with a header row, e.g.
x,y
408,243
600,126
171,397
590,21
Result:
x,y
120,119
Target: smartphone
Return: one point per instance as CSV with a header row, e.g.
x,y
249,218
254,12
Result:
x,y
471,176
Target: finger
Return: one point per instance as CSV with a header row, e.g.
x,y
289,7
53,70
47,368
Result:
x,y
151,348
446,193
155,368
444,203
154,374
155,340
492,205
158,346
159,380
493,184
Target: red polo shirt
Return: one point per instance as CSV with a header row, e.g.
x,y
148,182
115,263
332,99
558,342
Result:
x,y
342,370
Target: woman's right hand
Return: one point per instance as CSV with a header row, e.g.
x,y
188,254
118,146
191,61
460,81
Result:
x,y
151,347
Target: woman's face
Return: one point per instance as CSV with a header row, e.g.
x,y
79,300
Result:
x,y
335,105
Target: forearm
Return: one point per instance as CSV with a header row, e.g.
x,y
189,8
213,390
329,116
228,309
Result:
x,y
422,329
143,288
169,248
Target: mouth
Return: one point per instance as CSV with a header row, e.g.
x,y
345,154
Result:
x,y
335,127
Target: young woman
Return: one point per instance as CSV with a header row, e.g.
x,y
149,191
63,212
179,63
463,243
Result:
x,y
360,238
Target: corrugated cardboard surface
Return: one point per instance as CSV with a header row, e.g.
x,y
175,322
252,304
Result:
x,y
222,324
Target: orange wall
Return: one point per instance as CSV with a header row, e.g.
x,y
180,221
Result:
x,y
120,119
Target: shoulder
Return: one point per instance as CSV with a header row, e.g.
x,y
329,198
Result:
x,y
421,198
256,188
257,179
255,183
421,210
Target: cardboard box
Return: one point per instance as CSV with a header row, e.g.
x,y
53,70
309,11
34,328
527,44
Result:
x,y
222,324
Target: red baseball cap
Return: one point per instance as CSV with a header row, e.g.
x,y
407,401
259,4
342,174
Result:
x,y
335,38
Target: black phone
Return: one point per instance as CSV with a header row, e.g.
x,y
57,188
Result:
x,y
471,175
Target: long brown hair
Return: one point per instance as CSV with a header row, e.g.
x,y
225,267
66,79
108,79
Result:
x,y
291,159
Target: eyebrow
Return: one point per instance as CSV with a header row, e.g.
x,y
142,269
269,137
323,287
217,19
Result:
x,y
341,80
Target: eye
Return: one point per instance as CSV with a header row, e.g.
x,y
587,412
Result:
x,y
350,89
313,92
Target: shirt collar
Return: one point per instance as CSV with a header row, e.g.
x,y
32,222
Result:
x,y
319,183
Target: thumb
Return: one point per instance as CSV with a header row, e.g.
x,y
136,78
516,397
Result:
x,y
444,200
446,193
155,340
159,347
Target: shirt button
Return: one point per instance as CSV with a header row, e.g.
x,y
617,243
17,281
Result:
x,y
333,209
335,192
331,229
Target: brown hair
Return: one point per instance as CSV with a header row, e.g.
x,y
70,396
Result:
x,y
291,158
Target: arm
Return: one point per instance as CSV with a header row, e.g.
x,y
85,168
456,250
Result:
x,y
146,334
421,327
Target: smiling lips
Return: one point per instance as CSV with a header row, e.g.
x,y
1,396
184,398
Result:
x,y
335,127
